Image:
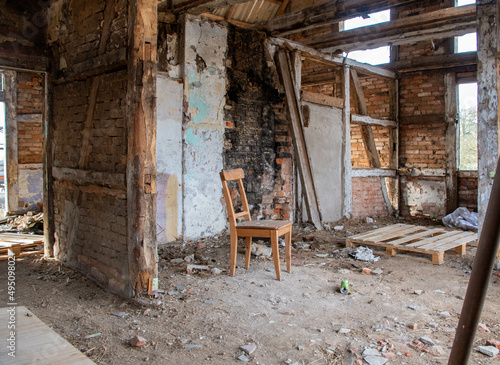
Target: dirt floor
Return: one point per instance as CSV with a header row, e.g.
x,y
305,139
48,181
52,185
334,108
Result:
x,y
204,318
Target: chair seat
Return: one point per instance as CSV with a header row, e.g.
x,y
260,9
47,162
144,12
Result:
x,y
264,224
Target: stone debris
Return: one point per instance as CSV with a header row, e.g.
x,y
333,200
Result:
x,y
491,351
338,228
243,358
30,222
483,327
249,348
344,331
444,314
439,291
120,314
427,340
138,341
261,250
418,292
191,346
216,271
495,343
377,272
189,258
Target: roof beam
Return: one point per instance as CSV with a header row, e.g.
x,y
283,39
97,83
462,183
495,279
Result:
x,y
434,25
195,7
330,12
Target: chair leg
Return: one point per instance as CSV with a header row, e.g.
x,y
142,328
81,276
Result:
x,y
234,249
248,251
288,251
276,254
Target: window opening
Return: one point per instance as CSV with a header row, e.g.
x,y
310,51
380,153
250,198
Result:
x,y
467,116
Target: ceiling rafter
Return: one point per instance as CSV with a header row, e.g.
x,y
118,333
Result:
x,y
438,24
195,7
327,13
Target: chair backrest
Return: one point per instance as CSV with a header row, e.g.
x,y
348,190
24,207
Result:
x,y
235,175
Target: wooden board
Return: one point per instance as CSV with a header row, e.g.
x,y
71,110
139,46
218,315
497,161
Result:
x,y
20,244
36,343
416,242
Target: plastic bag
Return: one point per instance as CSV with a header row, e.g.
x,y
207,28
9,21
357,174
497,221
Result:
x,y
461,218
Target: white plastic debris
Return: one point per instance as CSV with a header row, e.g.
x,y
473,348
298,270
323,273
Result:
x,y
365,254
461,218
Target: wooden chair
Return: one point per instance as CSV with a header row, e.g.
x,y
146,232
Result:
x,y
248,229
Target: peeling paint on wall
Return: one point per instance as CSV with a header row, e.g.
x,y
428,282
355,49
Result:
x,y
204,99
30,182
424,197
169,159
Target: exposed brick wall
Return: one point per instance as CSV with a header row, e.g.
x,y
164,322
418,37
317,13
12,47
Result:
x,y
30,109
358,152
90,219
467,192
422,126
376,92
367,198
257,136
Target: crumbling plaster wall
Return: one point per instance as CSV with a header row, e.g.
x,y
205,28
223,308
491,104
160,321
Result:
x,y
204,77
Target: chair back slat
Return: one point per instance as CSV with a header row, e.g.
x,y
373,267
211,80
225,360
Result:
x,y
232,175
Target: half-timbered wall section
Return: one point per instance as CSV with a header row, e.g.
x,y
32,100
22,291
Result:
x,y
97,153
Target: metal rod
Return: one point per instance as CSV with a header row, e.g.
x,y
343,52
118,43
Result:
x,y
480,278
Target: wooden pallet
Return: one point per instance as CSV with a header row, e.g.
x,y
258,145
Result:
x,y
20,244
414,242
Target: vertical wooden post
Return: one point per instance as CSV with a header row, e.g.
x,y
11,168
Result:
x,y
299,196
394,143
292,101
48,180
346,140
141,162
11,146
450,104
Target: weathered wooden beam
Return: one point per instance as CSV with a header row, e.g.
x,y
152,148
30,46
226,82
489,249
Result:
x,y
373,172
367,120
48,181
85,177
109,14
434,25
196,7
89,124
141,162
326,13
435,62
232,21
282,8
11,145
293,107
346,143
230,13
322,99
309,52
451,117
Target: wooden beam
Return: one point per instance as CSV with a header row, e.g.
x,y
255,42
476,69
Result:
x,y
141,138
89,124
85,177
434,25
338,61
11,145
196,7
322,99
293,107
346,143
282,8
230,13
319,78
373,172
232,21
451,117
109,14
435,62
327,13
367,120
48,181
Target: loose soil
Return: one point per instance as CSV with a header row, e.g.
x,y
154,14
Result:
x,y
204,318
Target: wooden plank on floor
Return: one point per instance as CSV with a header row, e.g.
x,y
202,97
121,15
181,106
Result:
x,y
452,242
443,241
377,232
399,233
416,236
36,343
433,239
